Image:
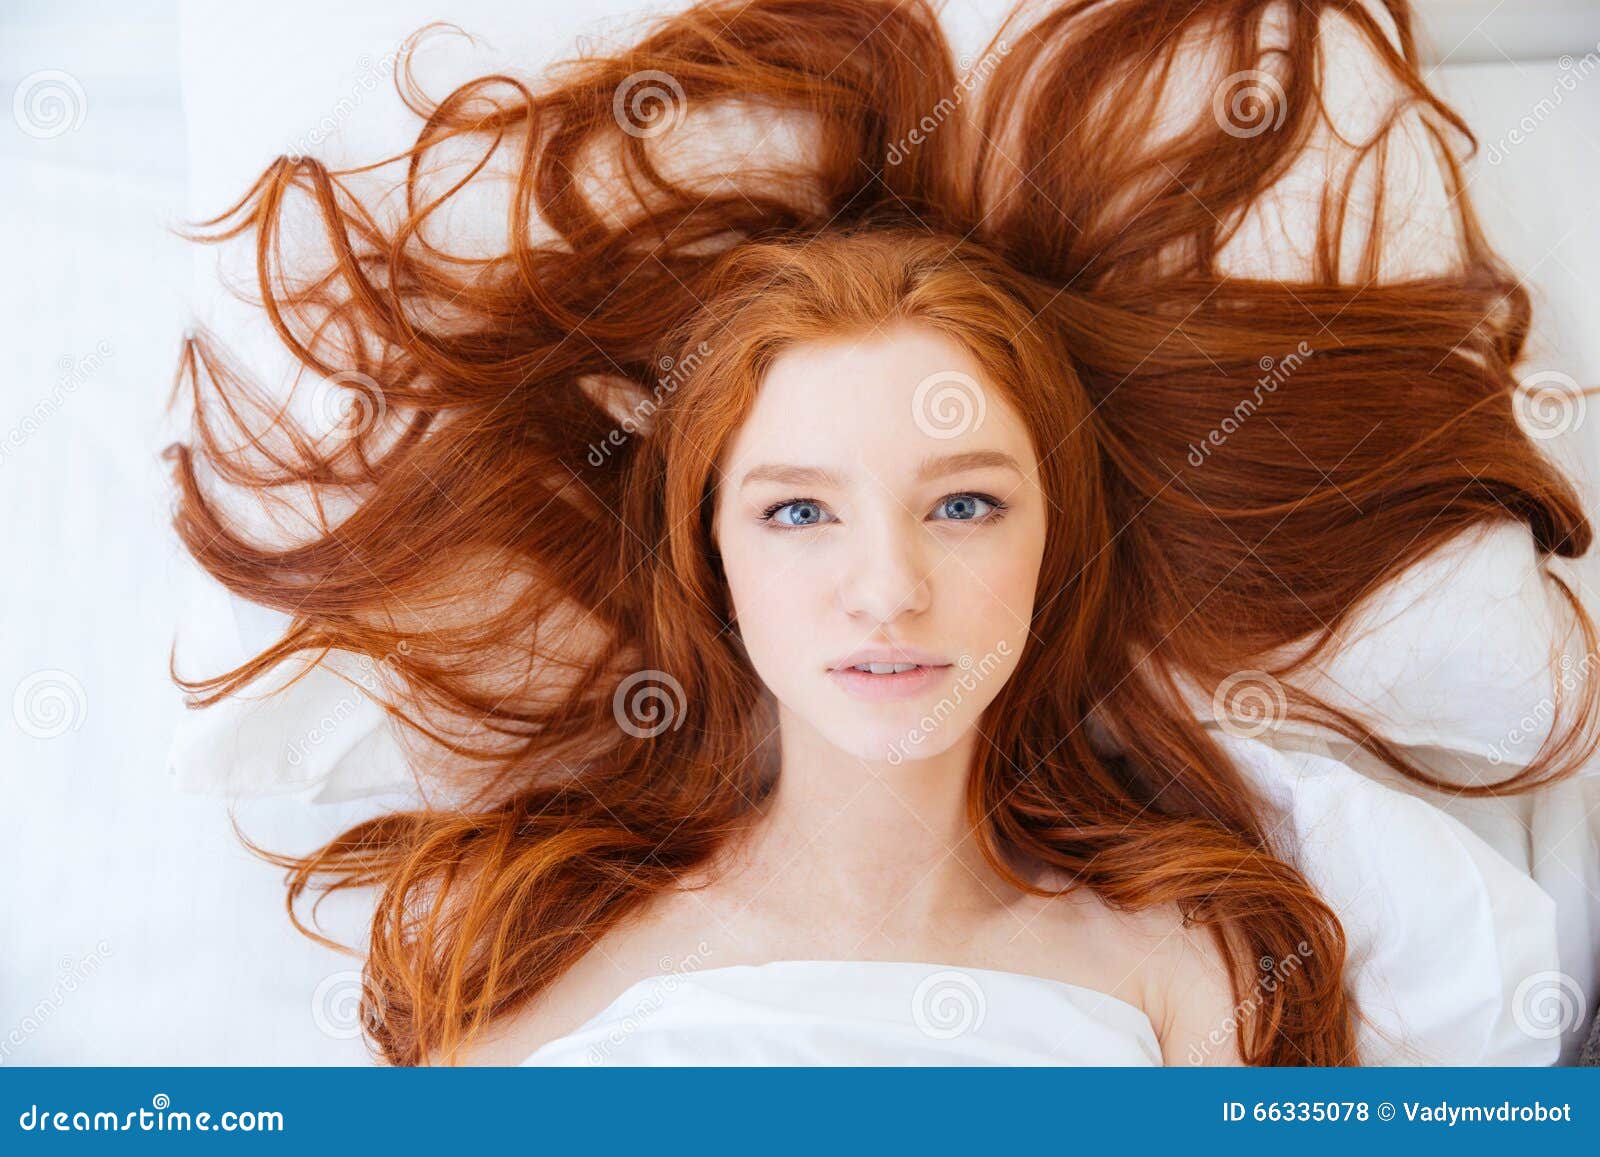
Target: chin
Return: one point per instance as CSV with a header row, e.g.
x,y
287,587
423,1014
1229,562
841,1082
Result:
x,y
906,740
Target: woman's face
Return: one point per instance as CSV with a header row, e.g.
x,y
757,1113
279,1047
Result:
x,y
881,503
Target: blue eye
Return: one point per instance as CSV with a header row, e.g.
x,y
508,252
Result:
x,y
964,504
806,512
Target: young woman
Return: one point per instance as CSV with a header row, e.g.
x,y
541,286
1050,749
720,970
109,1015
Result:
x,y
881,485
783,562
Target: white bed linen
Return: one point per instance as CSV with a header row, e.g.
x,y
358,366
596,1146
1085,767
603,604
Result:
x,y
855,1012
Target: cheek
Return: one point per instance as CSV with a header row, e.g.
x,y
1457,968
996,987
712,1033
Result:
x,y
999,590
775,596
1001,584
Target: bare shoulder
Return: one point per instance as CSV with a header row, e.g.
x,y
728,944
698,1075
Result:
x,y
633,951
1192,1003
513,1038
601,974
1174,972
559,1009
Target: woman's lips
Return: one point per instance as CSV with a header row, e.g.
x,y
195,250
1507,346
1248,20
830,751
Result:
x,y
877,688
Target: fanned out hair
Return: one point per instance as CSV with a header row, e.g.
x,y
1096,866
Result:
x,y
515,522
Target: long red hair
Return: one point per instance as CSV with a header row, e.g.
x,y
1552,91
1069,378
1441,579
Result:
x,y
522,523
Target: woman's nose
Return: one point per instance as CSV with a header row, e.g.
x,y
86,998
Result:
x,y
885,576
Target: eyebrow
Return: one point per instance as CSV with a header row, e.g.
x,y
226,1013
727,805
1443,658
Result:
x,y
931,467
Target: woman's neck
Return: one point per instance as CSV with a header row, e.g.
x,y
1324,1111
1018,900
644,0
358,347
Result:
x,y
875,849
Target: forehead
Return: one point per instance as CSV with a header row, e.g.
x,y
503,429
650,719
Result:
x,y
894,395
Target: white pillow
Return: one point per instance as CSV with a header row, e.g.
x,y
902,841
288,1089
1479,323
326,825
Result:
x,y
1454,653
1452,952
322,736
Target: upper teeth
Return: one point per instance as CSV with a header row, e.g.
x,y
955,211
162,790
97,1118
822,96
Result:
x,y
885,668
